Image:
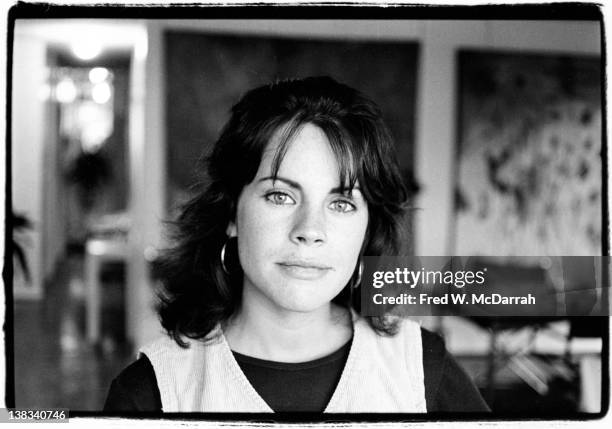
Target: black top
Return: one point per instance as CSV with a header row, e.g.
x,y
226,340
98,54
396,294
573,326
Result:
x,y
275,381
447,386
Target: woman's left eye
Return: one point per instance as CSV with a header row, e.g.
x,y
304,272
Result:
x,y
343,206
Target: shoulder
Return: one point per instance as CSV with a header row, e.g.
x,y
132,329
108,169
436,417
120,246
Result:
x,y
434,363
434,349
161,346
166,349
134,389
448,388
137,372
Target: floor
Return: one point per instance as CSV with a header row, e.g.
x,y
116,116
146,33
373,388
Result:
x,y
56,367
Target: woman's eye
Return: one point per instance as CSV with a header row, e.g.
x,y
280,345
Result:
x,y
279,198
343,206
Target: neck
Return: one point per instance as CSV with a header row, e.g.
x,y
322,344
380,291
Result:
x,y
287,336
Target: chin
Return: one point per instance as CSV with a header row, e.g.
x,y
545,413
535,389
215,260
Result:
x,y
303,300
294,295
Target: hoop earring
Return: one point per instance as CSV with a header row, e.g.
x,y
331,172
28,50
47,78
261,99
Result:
x,y
359,274
223,257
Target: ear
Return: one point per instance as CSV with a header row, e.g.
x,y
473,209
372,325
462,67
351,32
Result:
x,y
231,230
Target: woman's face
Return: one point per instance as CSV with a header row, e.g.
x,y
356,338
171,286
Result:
x,y
299,237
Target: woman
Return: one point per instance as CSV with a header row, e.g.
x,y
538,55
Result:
x,y
261,294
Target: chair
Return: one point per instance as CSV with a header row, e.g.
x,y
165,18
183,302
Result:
x,y
108,243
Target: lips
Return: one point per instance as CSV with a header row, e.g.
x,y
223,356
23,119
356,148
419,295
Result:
x,y
304,269
303,263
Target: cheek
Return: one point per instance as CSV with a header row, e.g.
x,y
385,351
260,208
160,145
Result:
x,y
349,238
257,233
357,230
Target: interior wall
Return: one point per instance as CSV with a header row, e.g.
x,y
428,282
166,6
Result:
x,y
54,209
147,181
28,152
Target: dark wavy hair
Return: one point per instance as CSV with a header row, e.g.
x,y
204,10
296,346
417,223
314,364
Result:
x,y
197,293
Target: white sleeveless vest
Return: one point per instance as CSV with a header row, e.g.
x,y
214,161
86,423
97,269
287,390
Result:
x,y
381,375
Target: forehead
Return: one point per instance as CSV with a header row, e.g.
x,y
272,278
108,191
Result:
x,y
307,150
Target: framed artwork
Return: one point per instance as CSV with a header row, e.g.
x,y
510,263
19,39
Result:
x,y
529,164
207,73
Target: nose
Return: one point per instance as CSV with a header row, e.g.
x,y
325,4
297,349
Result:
x,y
309,227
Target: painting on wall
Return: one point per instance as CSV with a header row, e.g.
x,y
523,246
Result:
x,y
529,155
208,73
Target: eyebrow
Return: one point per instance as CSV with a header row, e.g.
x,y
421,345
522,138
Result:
x,y
297,186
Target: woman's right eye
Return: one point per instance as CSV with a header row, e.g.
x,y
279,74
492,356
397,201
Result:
x,y
279,198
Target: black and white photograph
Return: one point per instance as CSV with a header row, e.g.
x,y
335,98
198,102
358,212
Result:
x,y
194,197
